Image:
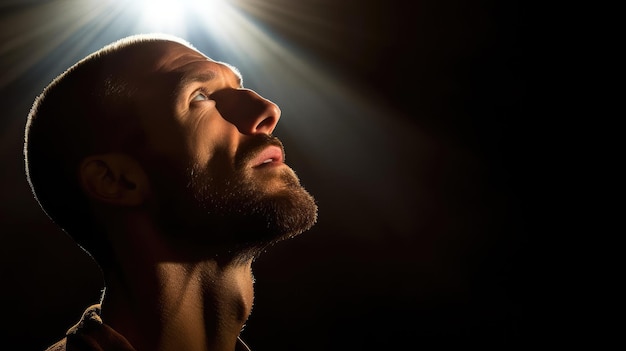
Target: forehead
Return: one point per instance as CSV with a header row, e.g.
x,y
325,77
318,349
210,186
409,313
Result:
x,y
184,62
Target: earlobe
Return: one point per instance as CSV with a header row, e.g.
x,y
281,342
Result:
x,y
114,178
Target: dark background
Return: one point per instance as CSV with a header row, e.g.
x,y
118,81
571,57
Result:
x,y
441,259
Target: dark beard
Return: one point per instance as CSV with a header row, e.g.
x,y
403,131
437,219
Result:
x,y
233,215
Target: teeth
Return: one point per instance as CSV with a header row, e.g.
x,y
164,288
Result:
x,y
268,160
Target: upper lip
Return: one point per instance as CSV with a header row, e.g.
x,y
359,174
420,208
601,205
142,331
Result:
x,y
269,154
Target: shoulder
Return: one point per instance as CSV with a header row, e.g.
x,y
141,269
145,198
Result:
x,y
59,346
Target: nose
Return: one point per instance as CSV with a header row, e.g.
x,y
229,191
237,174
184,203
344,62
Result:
x,y
247,110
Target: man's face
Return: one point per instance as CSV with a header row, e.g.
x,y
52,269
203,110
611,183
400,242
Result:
x,y
218,174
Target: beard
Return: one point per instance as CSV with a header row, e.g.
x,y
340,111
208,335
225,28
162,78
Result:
x,y
238,211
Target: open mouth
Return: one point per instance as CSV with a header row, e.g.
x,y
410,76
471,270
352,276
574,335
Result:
x,y
270,156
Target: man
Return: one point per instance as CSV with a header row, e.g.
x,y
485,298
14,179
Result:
x,y
160,165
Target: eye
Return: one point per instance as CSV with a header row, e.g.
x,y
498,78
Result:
x,y
199,96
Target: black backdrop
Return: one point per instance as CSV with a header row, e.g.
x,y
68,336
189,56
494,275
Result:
x,y
374,273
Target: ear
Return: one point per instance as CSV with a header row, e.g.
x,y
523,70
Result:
x,y
115,179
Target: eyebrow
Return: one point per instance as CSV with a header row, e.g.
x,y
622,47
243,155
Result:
x,y
186,80
202,77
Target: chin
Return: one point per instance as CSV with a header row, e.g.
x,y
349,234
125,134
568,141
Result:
x,y
294,211
243,216
279,215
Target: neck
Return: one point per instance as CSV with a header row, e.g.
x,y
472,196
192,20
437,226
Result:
x,y
192,306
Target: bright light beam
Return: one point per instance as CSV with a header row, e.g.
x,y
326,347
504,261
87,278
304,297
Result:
x,y
173,16
161,15
159,12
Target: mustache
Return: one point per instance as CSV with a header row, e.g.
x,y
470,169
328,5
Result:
x,y
253,145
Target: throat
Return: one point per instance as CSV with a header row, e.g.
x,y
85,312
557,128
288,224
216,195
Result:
x,y
214,305
200,306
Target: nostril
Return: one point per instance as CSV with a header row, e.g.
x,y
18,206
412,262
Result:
x,y
267,125
268,118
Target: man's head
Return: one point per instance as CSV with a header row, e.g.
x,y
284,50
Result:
x,y
150,125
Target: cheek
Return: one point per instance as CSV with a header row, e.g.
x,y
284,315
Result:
x,y
211,140
165,138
